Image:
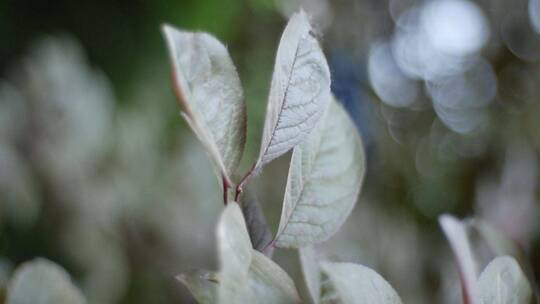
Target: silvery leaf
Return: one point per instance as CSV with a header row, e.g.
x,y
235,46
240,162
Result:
x,y
357,284
248,276
268,283
311,271
325,177
42,282
209,91
503,282
456,233
202,284
298,92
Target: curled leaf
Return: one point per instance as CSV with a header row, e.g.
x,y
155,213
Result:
x,y
325,177
299,90
209,91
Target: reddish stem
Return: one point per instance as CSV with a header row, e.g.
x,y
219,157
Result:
x,y
240,186
270,247
465,295
225,190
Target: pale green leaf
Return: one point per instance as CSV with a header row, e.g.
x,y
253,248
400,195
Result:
x,y
299,90
40,281
202,284
503,282
325,177
209,91
248,276
357,284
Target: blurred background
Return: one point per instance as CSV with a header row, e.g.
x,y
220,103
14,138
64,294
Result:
x,y
99,173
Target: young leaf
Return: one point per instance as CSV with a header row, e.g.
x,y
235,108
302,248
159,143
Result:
x,y
202,284
456,234
355,284
298,92
259,233
247,276
503,282
209,91
325,177
42,282
311,271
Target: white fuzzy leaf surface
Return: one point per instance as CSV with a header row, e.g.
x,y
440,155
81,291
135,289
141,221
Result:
x,y
42,282
325,177
357,284
503,282
299,90
248,276
210,94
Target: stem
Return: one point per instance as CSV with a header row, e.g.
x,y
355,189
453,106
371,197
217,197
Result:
x,y
466,293
240,186
269,248
225,190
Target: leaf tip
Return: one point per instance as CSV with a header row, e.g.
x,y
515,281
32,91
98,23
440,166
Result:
x,y
168,31
181,278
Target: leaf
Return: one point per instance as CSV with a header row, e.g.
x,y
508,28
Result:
x,y
259,233
311,271
268,283
299,90
357,284
234,248
209,91
325,177
456,234
247,276
40,281
202,284
503,282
